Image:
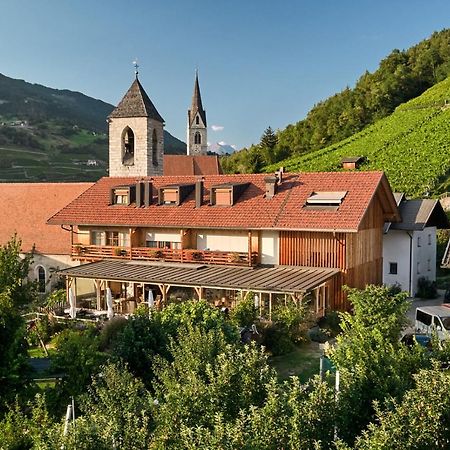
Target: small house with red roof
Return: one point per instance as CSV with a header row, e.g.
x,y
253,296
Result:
x,y
25,209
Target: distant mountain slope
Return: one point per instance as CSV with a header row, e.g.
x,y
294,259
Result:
x,y
412,146
50,134
401,76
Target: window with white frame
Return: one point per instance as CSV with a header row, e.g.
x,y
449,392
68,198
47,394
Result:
x,y
117,239
97,237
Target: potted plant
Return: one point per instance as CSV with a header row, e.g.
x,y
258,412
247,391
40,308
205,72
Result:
x,y
234,257
193,255
119,251
158,254
79,249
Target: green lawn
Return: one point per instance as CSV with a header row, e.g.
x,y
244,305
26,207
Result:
x,y
302,362
38,352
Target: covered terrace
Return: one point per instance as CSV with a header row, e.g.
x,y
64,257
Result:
x,y
131,281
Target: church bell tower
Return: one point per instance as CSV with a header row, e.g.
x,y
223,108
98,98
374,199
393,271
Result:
x,y
197,143
136,139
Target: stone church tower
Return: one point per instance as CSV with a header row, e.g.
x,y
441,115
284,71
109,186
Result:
x,y
136,140
197,143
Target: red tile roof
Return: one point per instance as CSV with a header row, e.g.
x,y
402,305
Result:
x,y
175,165
251,211
25,208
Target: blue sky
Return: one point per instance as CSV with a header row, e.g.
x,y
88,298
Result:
x,y
260,62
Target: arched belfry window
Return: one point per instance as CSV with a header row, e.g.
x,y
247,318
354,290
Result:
x,y
154,148
41,278
128,147
197,138
197,120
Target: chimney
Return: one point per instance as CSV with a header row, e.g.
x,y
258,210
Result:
x,y
147,193
279,174
111,196
139,194
271,186
198,193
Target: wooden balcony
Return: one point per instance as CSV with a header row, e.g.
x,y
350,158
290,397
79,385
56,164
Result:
x,y
98,252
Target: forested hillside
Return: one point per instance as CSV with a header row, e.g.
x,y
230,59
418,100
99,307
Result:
x,y
411,145
401,76
55,135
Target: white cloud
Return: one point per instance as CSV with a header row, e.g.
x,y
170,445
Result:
x,y
233,146
217,127
222,143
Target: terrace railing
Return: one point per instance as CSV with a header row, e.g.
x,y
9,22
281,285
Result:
x,y
97,252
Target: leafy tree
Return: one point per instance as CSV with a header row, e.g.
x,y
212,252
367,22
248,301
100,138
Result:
x,y
244,314
293,417
374,366
137,342
78,358
420,421
116,413
198,314
14,272
12,348
207,377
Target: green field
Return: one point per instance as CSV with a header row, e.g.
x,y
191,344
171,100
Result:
x,y
56,158
411,145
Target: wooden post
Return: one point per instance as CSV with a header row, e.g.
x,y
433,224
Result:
x,y
164,288
131,243
199,291
75,288
270,306
249,248
97,291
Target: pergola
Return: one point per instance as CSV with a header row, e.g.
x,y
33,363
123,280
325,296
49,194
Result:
x,y
288,280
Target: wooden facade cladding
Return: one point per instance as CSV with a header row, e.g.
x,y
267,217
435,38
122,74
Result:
x,y
313,249
358,255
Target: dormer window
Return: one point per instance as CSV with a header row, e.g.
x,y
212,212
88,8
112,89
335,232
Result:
x,y
174,194
128,147
197,120
227,194
224,196
123,195
325,200
169,196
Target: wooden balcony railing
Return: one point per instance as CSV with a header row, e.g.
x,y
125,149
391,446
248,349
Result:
x,y
97,252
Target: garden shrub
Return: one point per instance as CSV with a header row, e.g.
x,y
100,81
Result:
x,y
245,314
426,288
276,340
110,330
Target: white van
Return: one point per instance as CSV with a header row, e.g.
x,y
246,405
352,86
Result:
x,y
431,319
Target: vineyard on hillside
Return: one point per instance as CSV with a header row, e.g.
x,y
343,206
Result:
x,y
412,146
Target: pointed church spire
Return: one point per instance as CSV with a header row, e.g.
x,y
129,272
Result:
x,y
197,106
197,140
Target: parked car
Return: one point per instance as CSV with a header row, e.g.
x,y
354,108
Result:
x,y
431,319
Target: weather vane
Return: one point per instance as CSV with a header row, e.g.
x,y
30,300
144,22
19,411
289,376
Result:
x,y
136,67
